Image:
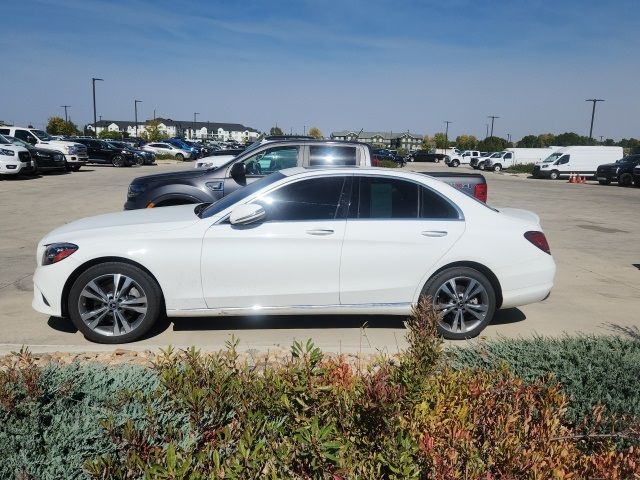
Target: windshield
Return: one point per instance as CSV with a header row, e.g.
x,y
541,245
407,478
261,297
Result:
x,y
17,141
226,202
496,155
42,135
553,157
4,141
625,160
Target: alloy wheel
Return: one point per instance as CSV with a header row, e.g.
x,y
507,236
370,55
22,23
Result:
x,y
112,304
463,304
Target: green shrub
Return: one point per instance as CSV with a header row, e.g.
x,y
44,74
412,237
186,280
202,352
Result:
x,y
164,156
591,369
520,168
387,164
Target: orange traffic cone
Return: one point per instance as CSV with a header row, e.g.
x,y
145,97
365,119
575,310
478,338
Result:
x,y
572,178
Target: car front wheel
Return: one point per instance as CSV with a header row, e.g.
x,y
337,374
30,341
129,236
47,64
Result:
x,y
464,299
625,180
117,161
179,157
114,302
554,175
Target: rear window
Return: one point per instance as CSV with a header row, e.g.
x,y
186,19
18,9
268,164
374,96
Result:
x,y
327,156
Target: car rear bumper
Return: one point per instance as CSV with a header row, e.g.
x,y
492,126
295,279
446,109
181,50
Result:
x,y
526,283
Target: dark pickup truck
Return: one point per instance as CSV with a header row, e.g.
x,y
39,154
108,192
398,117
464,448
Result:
x,y
202,185
620,171
426,156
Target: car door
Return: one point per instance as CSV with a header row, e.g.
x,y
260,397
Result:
x,y
396,232
263,162
292,258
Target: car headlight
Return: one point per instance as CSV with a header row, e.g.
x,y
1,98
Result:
x,y
42,154
55,252
9,153
135,190
73,149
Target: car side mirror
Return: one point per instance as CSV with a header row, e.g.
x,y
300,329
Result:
x,y
239,172
246,214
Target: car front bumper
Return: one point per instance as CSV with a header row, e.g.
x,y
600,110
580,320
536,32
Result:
x,y
75,160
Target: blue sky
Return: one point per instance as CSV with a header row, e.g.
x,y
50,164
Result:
x,y
375,64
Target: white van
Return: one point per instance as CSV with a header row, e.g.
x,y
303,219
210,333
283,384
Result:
x,y
75,154
580,160
516,156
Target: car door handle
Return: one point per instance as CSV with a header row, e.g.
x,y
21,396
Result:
x,y
434,233
320,232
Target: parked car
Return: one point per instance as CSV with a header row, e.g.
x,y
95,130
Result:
x,y
636,176
100,151
194,151
218,158
382,154
163,148
426,156
259,160
75,154
620,171
14,159
478,163
580,160
115,275
43,160
145,158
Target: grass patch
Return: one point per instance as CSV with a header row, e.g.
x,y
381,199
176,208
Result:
x,y
520,168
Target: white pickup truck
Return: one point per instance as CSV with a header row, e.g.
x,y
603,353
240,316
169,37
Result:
x,y
463,158
75,154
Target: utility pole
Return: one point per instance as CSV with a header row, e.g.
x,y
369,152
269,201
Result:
x,y
304,130
509,137
135,110
446,132
492,117
487,134
93,81
593,113
154,114
66,119
601,137
193,130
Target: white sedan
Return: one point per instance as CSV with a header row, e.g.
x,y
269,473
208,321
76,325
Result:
x,y
161,148
351,240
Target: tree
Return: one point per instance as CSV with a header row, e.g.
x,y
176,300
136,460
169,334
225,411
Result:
x,y
111,135
440,139
529,141
58,126
153,133
466,142
571,138
428,142
493,144
315,132
276,131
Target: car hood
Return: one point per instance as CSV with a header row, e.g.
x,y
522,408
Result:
x,y
520,214
60,143
608,166
127,222
214,161
169,177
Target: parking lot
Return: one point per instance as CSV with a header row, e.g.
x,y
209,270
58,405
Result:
x,y
593,231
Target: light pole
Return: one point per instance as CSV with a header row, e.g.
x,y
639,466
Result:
x,y
193,130
66,119
492,117
446,132
593,113
509,137
93,81
135,110
486,135
304,130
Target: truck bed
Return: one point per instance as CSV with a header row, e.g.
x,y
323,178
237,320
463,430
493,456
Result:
x,y
473,184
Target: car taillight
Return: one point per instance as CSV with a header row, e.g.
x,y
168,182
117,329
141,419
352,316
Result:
x,y
539,240
57,251
480,192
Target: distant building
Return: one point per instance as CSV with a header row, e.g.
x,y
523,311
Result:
x,y
182,128
406,140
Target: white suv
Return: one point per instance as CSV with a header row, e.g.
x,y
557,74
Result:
x,y
75,154
13,158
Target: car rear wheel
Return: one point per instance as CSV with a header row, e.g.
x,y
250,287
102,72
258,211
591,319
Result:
x,y
114,302
455,163
465,300
179,157
117,161
625,180
554,175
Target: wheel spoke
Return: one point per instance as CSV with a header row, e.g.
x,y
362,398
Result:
x,y
125,286
123,322
89,315
92,290
478,307
94,323
473,289
478,315
116,283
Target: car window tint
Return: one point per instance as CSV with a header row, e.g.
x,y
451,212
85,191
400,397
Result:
x,y
381,197
312,199
433,205
564,159
271,160
22,135
320,155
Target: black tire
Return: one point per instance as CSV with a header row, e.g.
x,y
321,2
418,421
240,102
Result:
x,y
149,287
179,157
67,167
432,288
625,180
497,167
117,161
76,168
455,163
554,175
604,182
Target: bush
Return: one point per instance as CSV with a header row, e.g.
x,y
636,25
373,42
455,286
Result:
x,y
387,164
520,168
211,416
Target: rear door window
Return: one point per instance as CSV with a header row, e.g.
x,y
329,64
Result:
x,y
333,156
382,197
